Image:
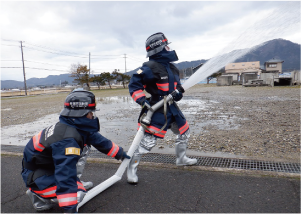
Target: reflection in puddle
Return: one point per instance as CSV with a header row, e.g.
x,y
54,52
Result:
x,y
118,117
6,109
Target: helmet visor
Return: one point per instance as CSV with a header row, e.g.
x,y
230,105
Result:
x,y
91,115
168,48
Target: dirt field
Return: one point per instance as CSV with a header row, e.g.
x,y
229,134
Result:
x,y
254,122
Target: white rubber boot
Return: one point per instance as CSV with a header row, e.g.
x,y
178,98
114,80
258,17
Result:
x,y
147,143
132,169
182,159
181,147
80,166
87,185
38,202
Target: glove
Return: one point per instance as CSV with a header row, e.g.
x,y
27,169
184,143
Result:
x,y
181,89
145,103
124,155
178,96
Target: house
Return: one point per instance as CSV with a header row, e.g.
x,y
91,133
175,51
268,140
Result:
x,y
271,71
273,66
244,72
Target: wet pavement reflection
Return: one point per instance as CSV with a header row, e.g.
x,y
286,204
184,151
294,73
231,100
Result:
x,y
118,117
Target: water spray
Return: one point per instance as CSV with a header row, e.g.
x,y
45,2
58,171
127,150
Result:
x,y
280,22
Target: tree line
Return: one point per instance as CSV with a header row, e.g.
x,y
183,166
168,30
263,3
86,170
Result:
x,y
82,77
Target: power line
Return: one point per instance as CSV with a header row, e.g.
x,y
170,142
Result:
x,y
56,53
11,67
37,68
46,69
10,60
64,52
9,40
11,45
53,49
43,63
45,47
69,54
137,60
108,55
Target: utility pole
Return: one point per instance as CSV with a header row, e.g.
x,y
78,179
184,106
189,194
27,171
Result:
x,y
23,70
125,62
89,64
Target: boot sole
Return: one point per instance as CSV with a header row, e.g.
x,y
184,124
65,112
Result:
x,y
186,164
133,182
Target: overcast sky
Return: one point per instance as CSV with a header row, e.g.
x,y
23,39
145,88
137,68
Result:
x,y
58,34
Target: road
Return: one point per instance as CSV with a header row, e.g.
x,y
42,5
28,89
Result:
x,y
166,189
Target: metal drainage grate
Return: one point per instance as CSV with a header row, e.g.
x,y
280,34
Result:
x,y
219,162
202,161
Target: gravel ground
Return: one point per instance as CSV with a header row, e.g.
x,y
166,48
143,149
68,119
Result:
x,y
255,122
268,120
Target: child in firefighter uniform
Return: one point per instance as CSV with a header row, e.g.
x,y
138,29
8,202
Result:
x,y
159,78
55,157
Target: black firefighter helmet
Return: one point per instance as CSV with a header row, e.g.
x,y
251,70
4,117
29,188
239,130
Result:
x,y
79,103
155,43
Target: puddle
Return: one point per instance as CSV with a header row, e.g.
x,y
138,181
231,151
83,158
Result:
x,y
20,134
6,109
118,122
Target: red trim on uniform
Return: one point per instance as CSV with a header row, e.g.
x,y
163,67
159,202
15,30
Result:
x,y
175,84
163,86
114,150
137,94
46,193
155,129
36,142
80,186
184,128
67,199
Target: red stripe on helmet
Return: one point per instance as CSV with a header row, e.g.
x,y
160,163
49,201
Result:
x,y
91,105
67,104
148,47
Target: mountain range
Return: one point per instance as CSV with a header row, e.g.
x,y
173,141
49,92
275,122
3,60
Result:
x,y
282,49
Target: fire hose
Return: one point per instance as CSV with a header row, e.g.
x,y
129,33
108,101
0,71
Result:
x,y
120,171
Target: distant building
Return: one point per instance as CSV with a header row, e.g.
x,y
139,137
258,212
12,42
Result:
x,y
273,66
243,72
296,80
237,69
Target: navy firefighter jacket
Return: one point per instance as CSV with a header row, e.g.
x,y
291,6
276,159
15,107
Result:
x,y
159,78
50,158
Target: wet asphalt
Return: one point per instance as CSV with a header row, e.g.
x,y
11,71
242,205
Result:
x,y
166,190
